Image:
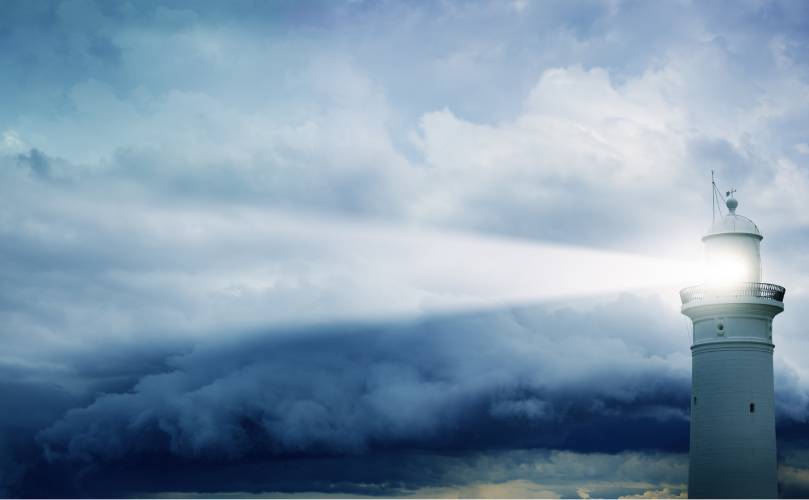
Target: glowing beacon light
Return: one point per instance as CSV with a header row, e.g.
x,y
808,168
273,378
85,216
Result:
x,y
732,448
732,249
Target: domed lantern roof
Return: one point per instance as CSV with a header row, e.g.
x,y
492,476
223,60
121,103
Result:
x,y
733,223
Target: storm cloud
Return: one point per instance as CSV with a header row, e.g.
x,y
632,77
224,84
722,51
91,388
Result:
x,y
518,379
343,391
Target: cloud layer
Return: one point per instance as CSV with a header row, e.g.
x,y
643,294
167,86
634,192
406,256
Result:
x,y
393,248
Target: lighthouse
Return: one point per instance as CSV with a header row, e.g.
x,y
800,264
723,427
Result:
x,y
732,445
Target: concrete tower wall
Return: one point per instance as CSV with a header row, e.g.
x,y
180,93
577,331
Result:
x,y
732,448
733,319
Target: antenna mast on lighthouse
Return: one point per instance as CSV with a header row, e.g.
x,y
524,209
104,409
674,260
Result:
x,y
718,199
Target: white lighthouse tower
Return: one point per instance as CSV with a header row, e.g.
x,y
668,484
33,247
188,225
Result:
x,y
732,449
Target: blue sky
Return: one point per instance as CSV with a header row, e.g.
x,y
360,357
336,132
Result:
x,y
382,248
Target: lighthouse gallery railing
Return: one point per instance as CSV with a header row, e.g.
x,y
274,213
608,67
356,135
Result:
x,y
740,290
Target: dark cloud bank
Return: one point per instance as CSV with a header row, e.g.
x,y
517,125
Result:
x,y
365,409
302,409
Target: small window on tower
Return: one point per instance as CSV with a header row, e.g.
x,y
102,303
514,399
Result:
x,y
752,407
695,401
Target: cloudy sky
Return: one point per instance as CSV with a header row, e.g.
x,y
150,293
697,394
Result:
x,y
382,248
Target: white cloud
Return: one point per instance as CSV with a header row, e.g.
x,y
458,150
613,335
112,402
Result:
x,y
12,143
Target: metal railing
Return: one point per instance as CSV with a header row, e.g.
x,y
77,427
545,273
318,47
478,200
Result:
x,y
739,290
